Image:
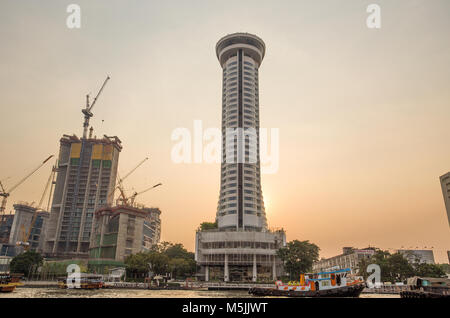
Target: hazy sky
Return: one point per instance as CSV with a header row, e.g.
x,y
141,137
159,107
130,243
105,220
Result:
x,y
363,113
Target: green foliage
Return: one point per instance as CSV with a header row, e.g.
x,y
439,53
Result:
x,y
137,264
429,270
298,257
54,268
178,251
181,267
25,263
205,226
160,260
445,268
395,267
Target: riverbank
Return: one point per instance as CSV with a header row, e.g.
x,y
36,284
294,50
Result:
x,y
202,286
55,292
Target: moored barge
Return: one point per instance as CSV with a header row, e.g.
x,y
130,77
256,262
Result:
x,y
427,287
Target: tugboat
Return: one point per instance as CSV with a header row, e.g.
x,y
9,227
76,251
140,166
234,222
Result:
x,y
87,281
337,283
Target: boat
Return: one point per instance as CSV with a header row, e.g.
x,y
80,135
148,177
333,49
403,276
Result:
x,y
338,283
86,281
427,287
8,283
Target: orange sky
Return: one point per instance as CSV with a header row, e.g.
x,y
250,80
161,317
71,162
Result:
x,y
363,114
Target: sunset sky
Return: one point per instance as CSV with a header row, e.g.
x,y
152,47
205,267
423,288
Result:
x,y
363,113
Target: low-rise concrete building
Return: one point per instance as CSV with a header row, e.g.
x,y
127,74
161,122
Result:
x,y
349,258
239,255
123,230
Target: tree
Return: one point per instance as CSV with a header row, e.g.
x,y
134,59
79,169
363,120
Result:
x,y
161,259
205,226
159,263
25,262
182,267
178,251
399,269
298,257
136,265
445,268
396,268
429,270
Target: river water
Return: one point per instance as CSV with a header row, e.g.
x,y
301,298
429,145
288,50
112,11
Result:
x,y
139,293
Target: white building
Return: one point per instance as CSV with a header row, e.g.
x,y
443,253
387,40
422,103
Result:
x,y
418,256
350,258
241,248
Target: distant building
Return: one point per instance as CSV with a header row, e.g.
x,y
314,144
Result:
x,y
4,264
6,222
85,182
445,185
6,249
123,230
349,258
418,256
152,227
23,217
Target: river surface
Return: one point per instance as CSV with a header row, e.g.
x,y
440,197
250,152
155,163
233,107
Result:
x,y
139,293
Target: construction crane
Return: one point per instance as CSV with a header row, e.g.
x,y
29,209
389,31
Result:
x,y
138,193
6,193
88,110
122,195
27,233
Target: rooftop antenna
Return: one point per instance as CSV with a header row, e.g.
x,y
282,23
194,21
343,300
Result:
x,y
88,110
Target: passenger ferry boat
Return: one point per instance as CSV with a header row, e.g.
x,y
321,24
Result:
x,y
338,283
87,281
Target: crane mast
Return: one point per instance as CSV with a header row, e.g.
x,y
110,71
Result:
x,y
88,110
120,182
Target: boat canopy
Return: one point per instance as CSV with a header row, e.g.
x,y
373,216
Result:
x,y
335,272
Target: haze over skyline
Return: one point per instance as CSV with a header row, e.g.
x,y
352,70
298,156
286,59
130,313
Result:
x,y
363,114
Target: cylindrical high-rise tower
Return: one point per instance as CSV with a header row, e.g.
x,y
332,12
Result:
x,y
243,248
241,205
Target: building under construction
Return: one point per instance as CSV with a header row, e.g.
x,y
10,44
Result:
x,y
29,226
6,222
121,231
85,182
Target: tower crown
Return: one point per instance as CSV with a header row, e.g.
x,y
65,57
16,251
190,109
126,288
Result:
x,y
231,43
